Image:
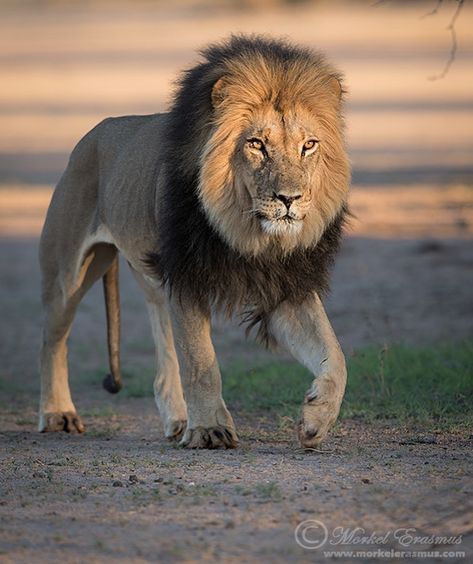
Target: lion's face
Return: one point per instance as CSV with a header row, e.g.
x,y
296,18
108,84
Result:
x,y
277,159
274,172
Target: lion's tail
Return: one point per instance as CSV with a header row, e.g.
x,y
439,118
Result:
x,y
113,381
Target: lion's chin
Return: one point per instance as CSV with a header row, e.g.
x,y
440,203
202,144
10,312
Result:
x,y
282,227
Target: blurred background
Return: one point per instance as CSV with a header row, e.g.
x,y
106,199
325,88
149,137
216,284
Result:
x,y
405,273
401,300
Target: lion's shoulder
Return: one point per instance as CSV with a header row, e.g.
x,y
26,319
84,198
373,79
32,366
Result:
x,y
119,131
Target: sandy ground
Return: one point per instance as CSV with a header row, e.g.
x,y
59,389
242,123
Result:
x,y
405,274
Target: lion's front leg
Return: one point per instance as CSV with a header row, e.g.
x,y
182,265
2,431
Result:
x,y
209,423
306,332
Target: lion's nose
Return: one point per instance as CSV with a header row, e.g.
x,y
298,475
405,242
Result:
x,y
286,200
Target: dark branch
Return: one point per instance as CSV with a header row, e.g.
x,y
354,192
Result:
x,y
453,33
434,11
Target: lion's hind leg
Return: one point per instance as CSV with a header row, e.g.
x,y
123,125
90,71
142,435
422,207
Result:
x,y
65,282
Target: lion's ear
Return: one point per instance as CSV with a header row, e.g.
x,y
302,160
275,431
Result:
x,y
219,92
335,87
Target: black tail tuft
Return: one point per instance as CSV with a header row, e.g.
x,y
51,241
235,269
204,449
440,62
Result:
x,y
111,385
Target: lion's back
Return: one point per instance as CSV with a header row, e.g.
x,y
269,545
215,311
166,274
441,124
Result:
x,y
118,137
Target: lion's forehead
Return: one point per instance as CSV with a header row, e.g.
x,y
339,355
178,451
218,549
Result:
x,y
282,128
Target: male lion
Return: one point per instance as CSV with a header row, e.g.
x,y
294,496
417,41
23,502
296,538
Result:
x,y
235,199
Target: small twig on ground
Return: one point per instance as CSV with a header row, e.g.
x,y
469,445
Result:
x,y
308,449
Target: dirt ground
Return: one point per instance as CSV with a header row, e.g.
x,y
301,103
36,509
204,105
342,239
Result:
x,y
121,492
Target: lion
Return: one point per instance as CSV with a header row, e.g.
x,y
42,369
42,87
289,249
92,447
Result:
x,y
234,200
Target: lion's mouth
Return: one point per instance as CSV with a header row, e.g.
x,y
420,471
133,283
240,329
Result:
x,y
278,219
285,225
286,219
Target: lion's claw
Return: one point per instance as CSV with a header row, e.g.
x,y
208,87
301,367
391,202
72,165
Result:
x,y
212,437
175,429
309,436
67,421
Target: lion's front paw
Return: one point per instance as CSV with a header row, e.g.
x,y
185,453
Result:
x,y
212,437
319,414
67,421
310,434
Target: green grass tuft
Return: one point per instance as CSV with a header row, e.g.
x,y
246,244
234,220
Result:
x,y
272,387
138,384
269,491
428,385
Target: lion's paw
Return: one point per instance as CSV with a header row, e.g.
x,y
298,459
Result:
x,y
318,416
310,435
175,429
67,421
212,437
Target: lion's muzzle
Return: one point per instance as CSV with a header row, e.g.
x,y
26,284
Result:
x,y
287,200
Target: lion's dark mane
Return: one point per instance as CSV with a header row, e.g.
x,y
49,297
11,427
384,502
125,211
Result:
x,y
193,259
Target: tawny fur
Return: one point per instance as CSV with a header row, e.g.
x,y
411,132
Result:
x,y
187,194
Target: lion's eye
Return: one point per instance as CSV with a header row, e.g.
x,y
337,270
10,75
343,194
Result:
x,y
256,144
309,147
